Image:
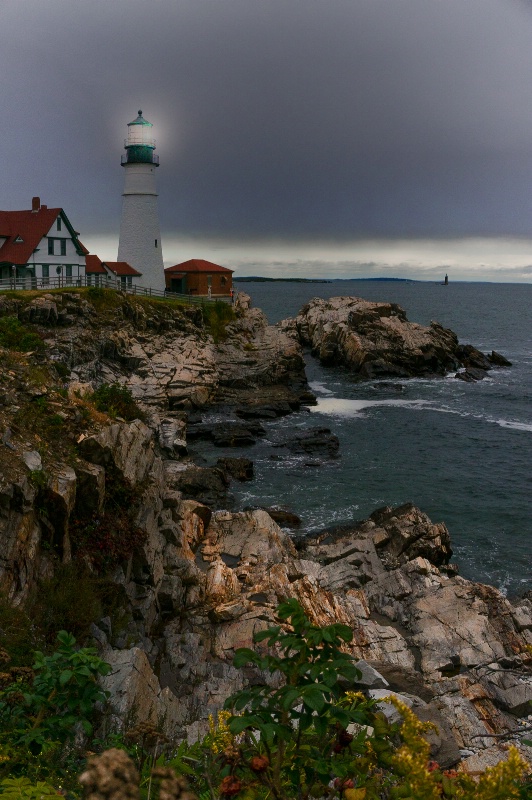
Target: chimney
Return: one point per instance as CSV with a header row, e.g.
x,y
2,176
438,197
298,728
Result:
x,y
35,203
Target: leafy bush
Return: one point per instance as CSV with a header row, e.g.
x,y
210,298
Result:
x,y
306,734
44,707
116,401
15,336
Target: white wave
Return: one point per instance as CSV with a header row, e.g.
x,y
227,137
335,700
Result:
x,y
517,426
320,388
343,407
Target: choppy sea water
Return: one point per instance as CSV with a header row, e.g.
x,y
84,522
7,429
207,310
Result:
x,y
461,452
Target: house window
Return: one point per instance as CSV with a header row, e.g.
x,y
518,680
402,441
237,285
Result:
x,y
63,247
156,245
45,273
51,247
68,269
224,280
58,223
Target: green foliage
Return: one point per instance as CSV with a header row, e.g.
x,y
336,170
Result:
x,y
102,299
305,735
116,401
44,708
216,317
24,789
62,369
15,336
301,723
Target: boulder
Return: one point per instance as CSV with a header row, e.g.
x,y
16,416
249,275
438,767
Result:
x,y
499,360
470,357
172,436
471,374
283,517
241,469
207,485
128,447
314,441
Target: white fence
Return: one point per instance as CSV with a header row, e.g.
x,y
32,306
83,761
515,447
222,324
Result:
x,y
103,282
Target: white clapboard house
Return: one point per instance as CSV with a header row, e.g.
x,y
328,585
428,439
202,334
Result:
x,y
39,246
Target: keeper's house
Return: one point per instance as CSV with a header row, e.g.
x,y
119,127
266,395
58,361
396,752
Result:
x,y
38,246
197,276
110,273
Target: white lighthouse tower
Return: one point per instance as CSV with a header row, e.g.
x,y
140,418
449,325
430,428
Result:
x,y
140,236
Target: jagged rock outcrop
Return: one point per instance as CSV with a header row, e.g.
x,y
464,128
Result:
x,y
164,353
376,340
197,583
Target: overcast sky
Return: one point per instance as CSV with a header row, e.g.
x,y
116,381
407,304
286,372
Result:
x,y
298,136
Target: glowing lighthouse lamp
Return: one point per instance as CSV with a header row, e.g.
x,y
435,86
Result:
x,y
140,236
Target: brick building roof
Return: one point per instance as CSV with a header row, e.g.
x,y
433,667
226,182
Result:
x,y
197,265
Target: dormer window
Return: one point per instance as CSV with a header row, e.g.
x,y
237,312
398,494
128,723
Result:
x,y
58,223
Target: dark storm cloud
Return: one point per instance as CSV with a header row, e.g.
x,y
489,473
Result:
x,y
297,117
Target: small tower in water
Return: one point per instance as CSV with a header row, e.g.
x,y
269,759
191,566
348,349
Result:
x,y
140,236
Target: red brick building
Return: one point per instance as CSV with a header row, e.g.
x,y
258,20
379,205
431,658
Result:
x,y
197,277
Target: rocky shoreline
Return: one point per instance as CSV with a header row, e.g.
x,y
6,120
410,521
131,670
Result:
x,y
376,340
200,581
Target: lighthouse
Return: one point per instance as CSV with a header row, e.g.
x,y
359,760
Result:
x,y
140,236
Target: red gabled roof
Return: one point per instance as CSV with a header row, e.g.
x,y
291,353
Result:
x,y
30,226
121,268
94,266
197,265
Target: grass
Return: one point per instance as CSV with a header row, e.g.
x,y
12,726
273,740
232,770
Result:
x,y
216,317
16,336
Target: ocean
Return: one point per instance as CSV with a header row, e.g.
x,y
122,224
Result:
x,y
462,452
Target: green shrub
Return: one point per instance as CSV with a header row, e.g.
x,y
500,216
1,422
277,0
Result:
x,y
15,336
116,401
307,733
62,369
216,317
43,708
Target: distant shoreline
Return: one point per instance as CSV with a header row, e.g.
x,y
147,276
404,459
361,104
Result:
x,y
260,279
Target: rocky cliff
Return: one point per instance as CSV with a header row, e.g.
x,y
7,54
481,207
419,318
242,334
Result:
x,y
191,585
376,340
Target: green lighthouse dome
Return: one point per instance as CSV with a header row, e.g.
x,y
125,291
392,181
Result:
x,y
140,143
140,120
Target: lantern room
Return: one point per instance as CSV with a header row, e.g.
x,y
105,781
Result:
x,y
140,143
